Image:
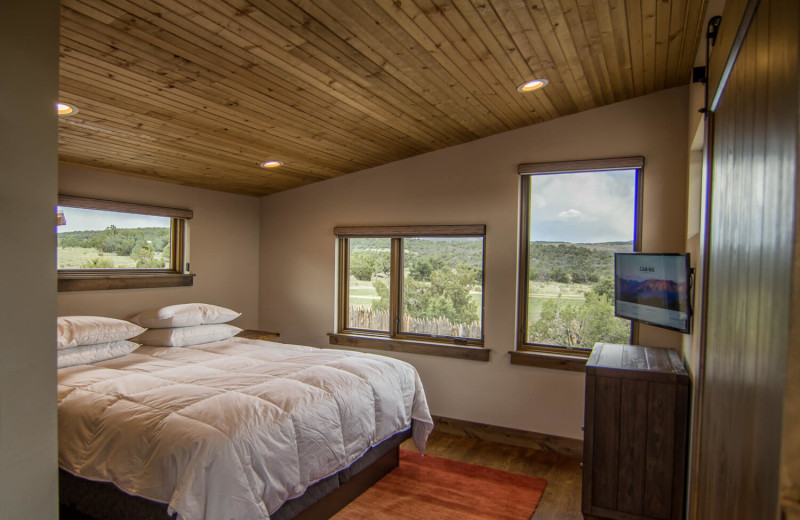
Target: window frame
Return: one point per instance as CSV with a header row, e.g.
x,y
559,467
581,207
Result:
x,y
554,356
175,275
394,339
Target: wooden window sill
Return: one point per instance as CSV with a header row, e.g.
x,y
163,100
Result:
x,y
257,334
100,281
554,361
413,347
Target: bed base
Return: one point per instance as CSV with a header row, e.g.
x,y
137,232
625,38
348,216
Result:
x,y
81,499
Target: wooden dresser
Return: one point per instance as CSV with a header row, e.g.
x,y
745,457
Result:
x,y
634,448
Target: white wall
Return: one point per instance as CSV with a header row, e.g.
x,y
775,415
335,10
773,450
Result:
x,y
475,183
224,235
28,158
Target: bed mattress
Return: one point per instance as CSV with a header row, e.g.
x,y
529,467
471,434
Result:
x,y
231,429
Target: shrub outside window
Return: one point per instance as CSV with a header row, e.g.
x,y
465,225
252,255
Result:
x,y
442,287
420,285
574,217
368,281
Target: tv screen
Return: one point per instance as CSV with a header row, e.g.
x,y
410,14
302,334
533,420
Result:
x,y
653,288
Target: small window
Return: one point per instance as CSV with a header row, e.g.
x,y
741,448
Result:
x,y
574,217
408,288
114,245
368,282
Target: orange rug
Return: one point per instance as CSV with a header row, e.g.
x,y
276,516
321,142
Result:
x,y
433,488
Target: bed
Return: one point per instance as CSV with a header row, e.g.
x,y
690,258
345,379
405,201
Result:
x,y
240,429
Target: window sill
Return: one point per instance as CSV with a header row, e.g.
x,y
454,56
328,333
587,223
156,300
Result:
x,y
106,281
413,347
549,360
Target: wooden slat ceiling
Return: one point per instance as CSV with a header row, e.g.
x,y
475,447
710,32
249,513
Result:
x,y
199,92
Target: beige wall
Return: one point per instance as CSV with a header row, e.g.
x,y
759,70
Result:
x,y
223,247
28,155
475,183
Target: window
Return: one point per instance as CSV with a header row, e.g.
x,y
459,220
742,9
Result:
x,y
415,289
574,216
116,245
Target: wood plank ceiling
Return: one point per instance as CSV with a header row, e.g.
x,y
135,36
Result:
x,y
199,92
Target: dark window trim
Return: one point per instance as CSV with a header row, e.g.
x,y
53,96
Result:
x,y
123,207
463,348
470,230
550,356
104,280
590,165
109,279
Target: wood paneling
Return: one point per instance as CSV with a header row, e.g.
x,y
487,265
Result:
x,y
199,92
752,219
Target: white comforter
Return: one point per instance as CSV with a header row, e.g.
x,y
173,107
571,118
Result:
x,y
231,429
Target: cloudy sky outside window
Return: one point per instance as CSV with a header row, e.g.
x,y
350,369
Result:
x,y
586,207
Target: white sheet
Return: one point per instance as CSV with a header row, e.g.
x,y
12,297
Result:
x,y
231,429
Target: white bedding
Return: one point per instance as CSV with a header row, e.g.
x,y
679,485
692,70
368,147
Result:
x,y
231,429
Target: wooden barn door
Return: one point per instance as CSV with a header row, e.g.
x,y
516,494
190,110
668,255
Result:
x,y
751,237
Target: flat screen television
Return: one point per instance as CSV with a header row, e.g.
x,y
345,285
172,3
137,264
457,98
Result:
x,y
654,288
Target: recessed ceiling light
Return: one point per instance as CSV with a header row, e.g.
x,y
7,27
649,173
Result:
x,y
271,164
65,109
534,84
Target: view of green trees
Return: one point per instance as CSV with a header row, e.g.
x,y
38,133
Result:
x,y
572,322
432,293
573,263
571,291
444,291
142,248
580,326
440,275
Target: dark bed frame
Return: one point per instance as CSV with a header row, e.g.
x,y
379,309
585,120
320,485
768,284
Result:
x,y
82,499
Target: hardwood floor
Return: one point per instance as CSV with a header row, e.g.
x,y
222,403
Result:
x,y
562,497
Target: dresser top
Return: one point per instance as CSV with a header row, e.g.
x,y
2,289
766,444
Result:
x,y
634,358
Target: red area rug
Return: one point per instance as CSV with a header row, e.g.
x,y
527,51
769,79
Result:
x,y
433,488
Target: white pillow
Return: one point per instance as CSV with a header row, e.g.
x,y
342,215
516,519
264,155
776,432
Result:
x,y
186,336
184,315
74,331
86,354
